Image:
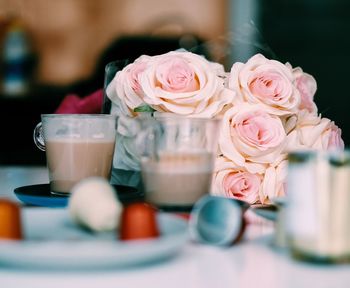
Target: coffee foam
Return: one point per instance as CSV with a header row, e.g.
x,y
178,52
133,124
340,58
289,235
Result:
x,y
79,139
179,162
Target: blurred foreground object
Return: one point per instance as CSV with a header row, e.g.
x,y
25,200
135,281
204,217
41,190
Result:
x,y
94,204
318,205
217,220
10,221
138,221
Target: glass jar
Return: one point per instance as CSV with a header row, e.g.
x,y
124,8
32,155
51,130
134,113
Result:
x,y
318,208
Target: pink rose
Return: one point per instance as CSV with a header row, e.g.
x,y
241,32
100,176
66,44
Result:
x,y
251,137
334,137
128,93
314,132
267,82
184,83
307,86
329,135
234,182
175,75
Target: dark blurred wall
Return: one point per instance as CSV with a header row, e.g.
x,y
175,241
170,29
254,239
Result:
x,y
70,35
314,34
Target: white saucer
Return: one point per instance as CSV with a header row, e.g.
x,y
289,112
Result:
x,y
52,241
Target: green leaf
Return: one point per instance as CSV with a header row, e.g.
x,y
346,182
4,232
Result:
x,y
144,108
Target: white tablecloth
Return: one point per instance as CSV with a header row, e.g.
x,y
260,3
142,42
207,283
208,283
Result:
x,y
254,262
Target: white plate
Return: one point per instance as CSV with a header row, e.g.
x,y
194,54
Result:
x,y
53,241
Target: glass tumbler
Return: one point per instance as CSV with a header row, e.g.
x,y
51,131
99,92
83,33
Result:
x,y
177,158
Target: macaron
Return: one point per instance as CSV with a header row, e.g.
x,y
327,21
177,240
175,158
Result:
x,y
93,204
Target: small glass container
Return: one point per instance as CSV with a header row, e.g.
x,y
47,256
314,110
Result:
x,y
318,209
177,159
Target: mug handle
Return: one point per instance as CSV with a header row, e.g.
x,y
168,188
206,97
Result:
x,y
39,137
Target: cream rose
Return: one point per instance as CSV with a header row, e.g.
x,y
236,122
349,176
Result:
x,y
314,132
125,90
184,83
251,137
333,137
265,81
235,182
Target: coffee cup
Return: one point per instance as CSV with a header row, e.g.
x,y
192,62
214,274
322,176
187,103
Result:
x,y
77,146
177,159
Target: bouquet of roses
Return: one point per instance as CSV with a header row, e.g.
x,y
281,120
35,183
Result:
x,y
267,109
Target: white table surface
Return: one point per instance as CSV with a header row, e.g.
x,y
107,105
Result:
x,y
254,262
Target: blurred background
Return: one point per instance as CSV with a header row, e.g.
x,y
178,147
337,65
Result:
x,y
50,49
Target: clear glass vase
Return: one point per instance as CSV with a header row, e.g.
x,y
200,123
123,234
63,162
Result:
x,y
125,170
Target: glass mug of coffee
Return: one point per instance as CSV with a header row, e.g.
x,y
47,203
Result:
x,y
177,157
77,146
